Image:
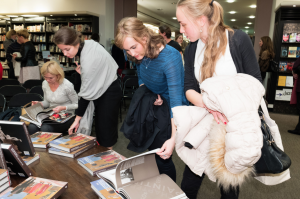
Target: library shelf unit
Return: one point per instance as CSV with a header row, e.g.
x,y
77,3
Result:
x,y
287,48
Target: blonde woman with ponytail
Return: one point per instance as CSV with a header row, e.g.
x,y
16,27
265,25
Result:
x,y
215,50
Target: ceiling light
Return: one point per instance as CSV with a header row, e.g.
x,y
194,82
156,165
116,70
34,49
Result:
x,y
12,15
252,16
294,5
249,23
246,27
232,12
29,15
230,1
252,6
51,15
232,20
174,18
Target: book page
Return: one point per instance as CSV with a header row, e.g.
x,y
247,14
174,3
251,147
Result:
x,y
32,111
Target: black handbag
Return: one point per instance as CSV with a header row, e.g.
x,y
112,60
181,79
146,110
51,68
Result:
x,y
273,66
273,159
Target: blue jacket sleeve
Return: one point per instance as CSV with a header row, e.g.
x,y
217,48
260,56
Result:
x,y
139,76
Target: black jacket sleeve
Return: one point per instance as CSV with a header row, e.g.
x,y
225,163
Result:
x,y
24,53
8,54
82,106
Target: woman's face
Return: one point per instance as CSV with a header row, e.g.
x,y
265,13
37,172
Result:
x,y
134,48
179,39
21,39
68,50
50,78
14,37
260,43
186,26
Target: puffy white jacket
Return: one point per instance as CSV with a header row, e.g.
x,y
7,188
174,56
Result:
x,y
224,153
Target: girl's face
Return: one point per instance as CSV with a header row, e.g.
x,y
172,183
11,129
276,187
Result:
x,y
51,79
134,48
179,39
21,39
260,43
186,26
68,50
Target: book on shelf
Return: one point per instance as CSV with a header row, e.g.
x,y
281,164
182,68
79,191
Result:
x,y
73,142
42,139
28,159
131,175
36,114
281,80
289,81
282,66
100,162
104,190
285,37
71,154
298,37
289,66
292,52
292,38
14,162
298,52
35,187
284,51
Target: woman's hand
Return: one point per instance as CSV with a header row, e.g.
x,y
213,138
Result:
x,y
78,68
75,125
158,101
14,56
35,102
58,109
166,150
217,115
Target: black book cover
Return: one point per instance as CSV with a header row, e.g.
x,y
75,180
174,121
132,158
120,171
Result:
x,y
15,164
2,160
18,133
284,51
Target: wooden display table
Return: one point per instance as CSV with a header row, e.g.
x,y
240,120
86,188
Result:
x,y
65,169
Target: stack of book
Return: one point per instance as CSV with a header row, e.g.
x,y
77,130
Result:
x,y
72,145
4,180
42,139
103,190
28,159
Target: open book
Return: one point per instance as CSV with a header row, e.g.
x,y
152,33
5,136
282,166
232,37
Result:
x,y
36,114
138,177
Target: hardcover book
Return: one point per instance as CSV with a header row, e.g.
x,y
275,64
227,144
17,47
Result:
x,y
72,154
3,165
293,37
15,164
281,80
289,66
100,162
42,139
292,52
284,51
72,142
36,114
298,52
285,38
4,187
282,66
28,159
289,81
17,134
5,191
103,190
138,177
34,187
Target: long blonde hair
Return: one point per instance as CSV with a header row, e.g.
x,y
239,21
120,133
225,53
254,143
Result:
x,y
216,31
133,27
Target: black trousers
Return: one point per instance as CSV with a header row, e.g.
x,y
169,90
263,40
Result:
x,y
191,183
51,127
11,73
298,108
106,115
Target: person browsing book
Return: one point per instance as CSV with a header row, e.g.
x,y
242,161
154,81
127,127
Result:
x,y
100,90
59,93
215,50
265,55
159,68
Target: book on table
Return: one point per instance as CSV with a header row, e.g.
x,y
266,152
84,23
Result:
x,y
73,142
14,162
35,187
138,177
8,189
104,190
4,179
42,139
36,114
28,159
100,162
71,154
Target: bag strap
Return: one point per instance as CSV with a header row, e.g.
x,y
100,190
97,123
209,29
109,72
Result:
x,y
264,107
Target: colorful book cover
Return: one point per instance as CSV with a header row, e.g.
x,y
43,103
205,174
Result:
x,y
289,66
28,159
298,52
284,51
285,38
71,154
281,80
282,66
72,142
298,37
34,187
292,51
101,161
104,190
42,139
293,37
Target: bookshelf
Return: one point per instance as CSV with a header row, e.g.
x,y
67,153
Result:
x,y
286,41
3,29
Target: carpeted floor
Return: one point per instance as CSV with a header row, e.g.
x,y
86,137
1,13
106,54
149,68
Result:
x,y
253,189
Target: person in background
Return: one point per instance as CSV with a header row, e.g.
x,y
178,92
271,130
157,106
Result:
x,y
100,90
59,93
12,48
202,22
119,57
9,39
165,31
159,68
181,42
265,55
29,65
96,38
